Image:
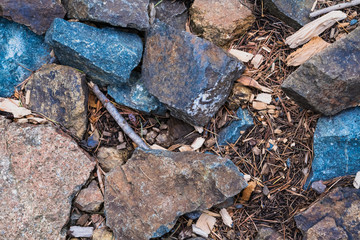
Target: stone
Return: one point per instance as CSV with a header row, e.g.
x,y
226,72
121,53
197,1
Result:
x,y
335,216
145,197
190,75
231,133
41,170
106,55
356,182
61,94
220,21
328,82
20,51
36,15
239,95
318,186
295,13
336,146
90,198
102,234
267,233
120,13
110,157
174,13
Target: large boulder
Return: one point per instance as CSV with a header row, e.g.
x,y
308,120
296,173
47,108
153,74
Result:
x,y
144,197
190,75
329,81
106,55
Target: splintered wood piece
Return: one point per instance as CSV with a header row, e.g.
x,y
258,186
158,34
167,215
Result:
x,y
263,97
13,106
257,60
335,7
259,105
227,220
206,223
246,193
197,143
241,55
249,82
314,28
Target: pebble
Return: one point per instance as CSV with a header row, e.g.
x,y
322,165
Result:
x,y
318,186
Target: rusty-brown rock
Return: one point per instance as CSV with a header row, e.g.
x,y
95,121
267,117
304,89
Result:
x,y
90,198
336,216
41,170
110,157
144,197
220,21
239,95
37,15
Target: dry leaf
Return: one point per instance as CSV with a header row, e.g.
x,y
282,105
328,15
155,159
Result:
x,y
248,81
13,106
226,217
206,223
246,193
241,55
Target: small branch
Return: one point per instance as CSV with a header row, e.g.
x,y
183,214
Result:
x,y
335,7
117,116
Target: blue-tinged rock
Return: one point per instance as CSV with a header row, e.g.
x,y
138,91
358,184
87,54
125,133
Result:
x,y
20,50
336,146
231,133
106,55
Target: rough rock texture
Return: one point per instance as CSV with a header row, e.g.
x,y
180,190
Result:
x,y
37,15
220,21
174,13
106,55
122,13
239,95
90,198
266,233
60,93
329,82
110,157
191,76
41,170
231,133
144,197
19,49
295,13
336,146
336,216
102,234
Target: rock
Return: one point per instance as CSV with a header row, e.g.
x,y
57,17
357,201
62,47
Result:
x,y
19,49
220,21
356,182
109,157
37,15
267,233
191,76
239,95
336,216
90,198
295,13
61,94
144,197
336,146
41,169
231,133
174,13
106,55
328,82
318,186
102,234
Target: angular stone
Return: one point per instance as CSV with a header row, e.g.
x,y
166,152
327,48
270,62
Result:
x,y
90,198
336,146
266,233
294,13
109,157
329,81
239,95
20,50
220,21
231,133
106,55
336,216
37,15
144,197
173,13
120,13
191,76
41,170
60,93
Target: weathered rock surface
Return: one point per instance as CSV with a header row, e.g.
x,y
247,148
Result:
x,y
239,95
220,21
328,82
102,234
106,55
110,157
41,170
144,197
90,198
121,13
336,146
231,133
61,94
295,13
173,13
336,216
37,15
191,76
19,49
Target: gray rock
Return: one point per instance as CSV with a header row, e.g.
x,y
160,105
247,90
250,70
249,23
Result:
x,y
318,186
329,81
121,13
90,198
20,50
144,197
191,76
174,13
106,55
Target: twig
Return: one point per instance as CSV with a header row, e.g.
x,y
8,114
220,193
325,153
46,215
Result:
x,y
335,7
118,118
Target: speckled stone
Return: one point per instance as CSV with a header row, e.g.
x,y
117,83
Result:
x,y
174,13
90,198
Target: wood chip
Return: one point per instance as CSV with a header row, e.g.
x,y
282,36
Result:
x,y
199,129
186,148
247,177
246,193
241,55
249,82
198,231
197,143
77,231
259,105
356,182
36,120
13,106
263,97
157,147
257,60
211,213
206,223
256,150
226,218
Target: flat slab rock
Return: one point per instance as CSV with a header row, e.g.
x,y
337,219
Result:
x,y
336,216
190,75
41,170
144,197
329,81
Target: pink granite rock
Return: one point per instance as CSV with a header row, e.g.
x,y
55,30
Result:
x,y
90,198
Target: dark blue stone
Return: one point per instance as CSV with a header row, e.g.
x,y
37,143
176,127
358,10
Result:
x,y
106,55
20,48
193,215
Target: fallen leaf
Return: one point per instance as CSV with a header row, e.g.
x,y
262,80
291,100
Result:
x,y
227,220
246,193
248,81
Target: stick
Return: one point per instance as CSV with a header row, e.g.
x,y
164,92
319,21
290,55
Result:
x,y
117,116
335,7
